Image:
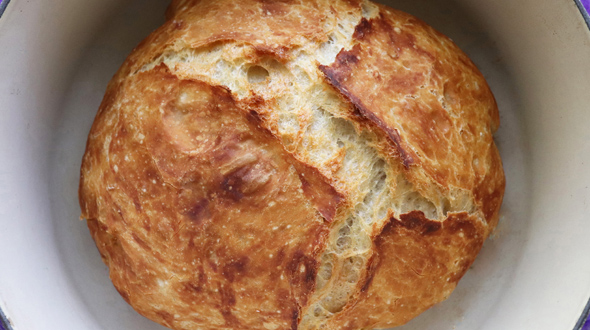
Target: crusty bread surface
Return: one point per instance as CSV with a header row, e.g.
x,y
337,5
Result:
x,y
306,164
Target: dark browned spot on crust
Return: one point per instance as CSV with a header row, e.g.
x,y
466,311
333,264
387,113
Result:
x,y
322,195
198,284
254,117
199,210
362,29
195,287
294,319
236,268
228,301
416,220
167,317
229,318
212,265
228,297
302,270
136,203
372,266
280,256
392,134
346,57
461,224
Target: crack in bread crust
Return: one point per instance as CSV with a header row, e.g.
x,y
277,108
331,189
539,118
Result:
x,y
358,113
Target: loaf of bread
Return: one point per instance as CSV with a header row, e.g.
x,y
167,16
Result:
x,y
315,164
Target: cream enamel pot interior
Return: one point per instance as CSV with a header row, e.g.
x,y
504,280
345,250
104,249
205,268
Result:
x,y
57,56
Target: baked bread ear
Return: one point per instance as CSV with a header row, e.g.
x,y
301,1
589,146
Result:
x,y
291,165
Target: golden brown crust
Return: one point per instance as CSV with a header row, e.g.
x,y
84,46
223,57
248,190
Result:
x,y
349,183
168,208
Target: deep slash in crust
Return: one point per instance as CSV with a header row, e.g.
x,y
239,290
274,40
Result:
x,y
339,72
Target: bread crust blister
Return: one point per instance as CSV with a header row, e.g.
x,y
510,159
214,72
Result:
x,y
291,165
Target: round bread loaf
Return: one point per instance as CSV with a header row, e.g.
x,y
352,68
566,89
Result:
x,y
290,164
